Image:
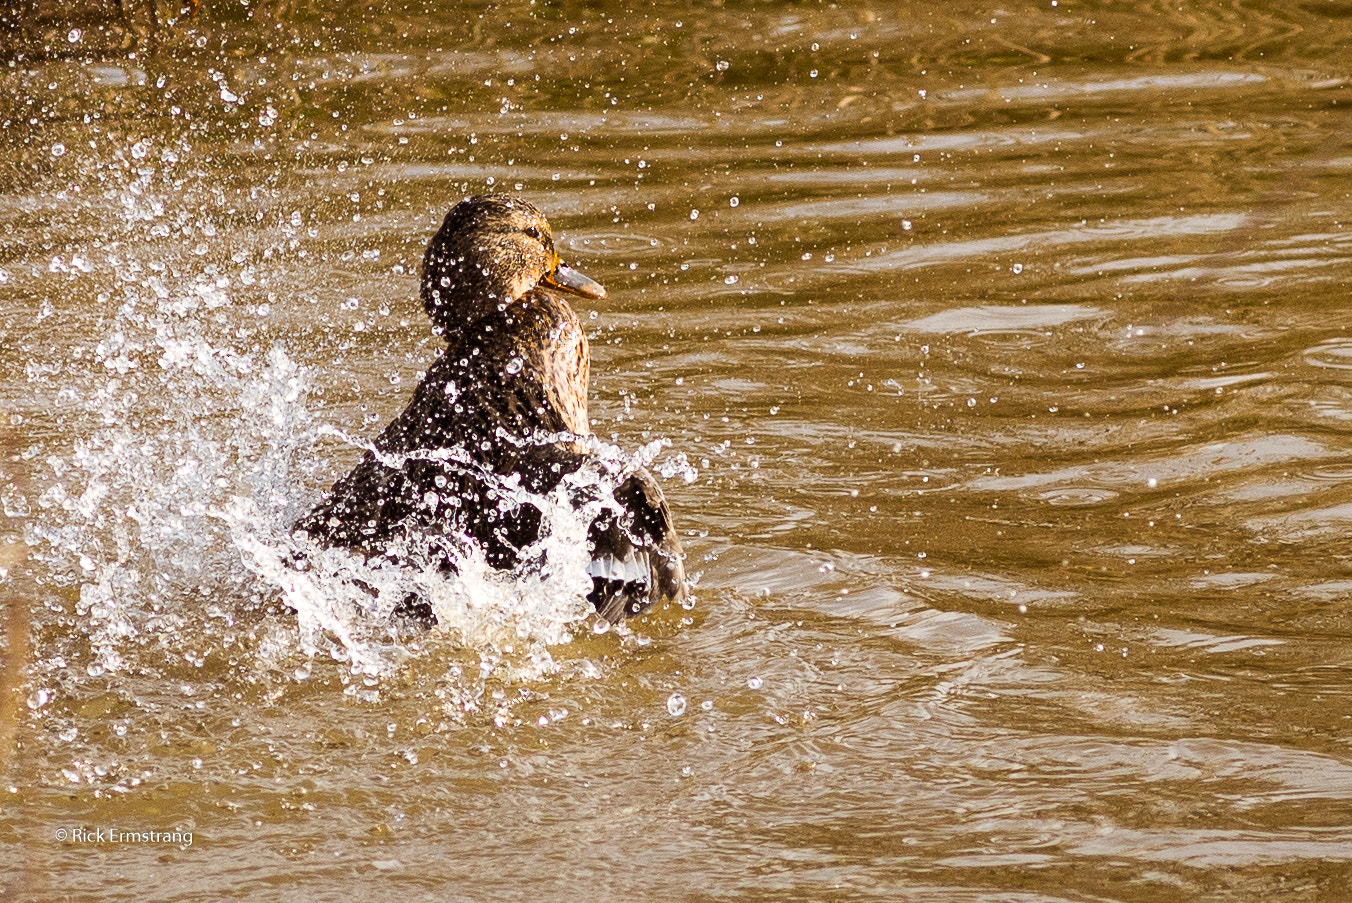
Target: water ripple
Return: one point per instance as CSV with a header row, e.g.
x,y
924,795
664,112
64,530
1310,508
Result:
x,y
614,244
1334,354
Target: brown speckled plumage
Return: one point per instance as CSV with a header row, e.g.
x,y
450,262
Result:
x,y
507,401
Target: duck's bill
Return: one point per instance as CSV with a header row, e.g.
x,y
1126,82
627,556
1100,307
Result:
x,y
570,280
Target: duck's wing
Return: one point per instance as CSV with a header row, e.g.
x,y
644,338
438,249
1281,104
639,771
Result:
x,y
424,507
636,555
365,509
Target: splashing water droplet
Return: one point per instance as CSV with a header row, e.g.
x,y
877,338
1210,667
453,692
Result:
x,y
676,705
754,683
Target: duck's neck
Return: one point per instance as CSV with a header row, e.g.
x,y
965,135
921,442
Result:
x,y
503,384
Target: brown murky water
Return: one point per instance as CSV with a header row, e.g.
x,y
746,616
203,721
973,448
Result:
x,y
1009,344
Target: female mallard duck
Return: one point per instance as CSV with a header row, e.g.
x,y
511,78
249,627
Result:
x,y
504,407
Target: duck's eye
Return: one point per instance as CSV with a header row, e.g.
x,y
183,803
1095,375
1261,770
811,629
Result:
x,y
533,232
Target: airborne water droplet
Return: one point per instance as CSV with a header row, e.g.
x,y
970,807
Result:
x,y
676,705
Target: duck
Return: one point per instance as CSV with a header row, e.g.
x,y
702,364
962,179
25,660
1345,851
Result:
x,y
502,409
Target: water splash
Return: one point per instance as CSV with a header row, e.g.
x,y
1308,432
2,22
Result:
x,y
187,444
510,618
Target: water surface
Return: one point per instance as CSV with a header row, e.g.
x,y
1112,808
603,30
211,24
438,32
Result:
x,y
1005,351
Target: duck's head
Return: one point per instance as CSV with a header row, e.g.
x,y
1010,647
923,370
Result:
x,y
490,251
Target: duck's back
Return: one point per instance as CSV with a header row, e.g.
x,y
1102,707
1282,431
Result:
x,y
477,415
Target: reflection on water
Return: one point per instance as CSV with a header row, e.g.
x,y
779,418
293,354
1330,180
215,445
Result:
x,y
1006,351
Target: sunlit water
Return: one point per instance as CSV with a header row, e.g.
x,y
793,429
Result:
x,y
995,360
